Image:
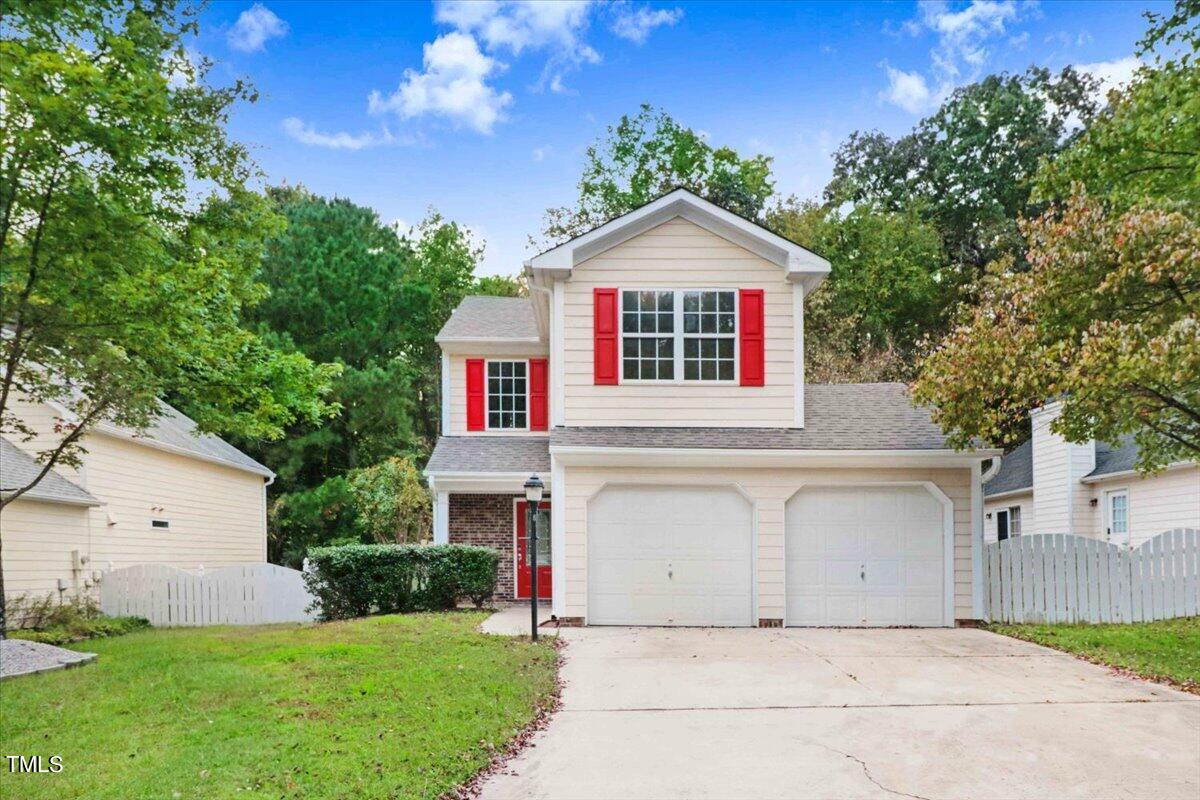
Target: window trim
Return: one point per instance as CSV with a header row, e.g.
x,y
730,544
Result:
x,y
678,336
1014,515
487,394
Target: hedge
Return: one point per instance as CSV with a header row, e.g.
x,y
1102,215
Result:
x,y
355,580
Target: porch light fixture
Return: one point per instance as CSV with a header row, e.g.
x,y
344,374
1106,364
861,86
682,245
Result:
x,y
533,494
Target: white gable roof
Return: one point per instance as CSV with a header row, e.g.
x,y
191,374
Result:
x,y
800,264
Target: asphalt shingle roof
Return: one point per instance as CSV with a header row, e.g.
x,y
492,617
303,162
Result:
x,y
1109,459
490,454
846,416
491,318
18,468
1016,472
172,428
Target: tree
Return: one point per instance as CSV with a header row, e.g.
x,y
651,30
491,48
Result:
x,y
969,167
1107,316
887,290
392,502
122,280
501,286
647,155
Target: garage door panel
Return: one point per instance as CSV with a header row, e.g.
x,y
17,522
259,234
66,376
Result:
x,y
864,556
670,556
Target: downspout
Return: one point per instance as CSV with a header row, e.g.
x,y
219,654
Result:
x,y
978,479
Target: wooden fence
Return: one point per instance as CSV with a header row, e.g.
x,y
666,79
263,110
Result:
x,y
1061,578
249,594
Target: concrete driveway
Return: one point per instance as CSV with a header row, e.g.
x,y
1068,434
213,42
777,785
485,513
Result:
x,y
708,713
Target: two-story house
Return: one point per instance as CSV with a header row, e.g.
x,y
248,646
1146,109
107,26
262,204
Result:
x,y
655,380
1050,485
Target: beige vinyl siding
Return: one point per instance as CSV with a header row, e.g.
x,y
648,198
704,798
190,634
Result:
x,y
43,420
678,255
1157,503
770,490
458,395
38,540
1051,490
1028,519
217,513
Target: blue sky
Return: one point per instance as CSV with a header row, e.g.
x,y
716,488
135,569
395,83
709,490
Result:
x,y
483,110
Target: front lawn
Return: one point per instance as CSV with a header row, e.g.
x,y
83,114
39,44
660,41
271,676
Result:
x,y
1167,650
398,706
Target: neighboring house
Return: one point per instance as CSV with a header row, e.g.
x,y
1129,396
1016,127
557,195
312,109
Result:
x,y
655,380
1049,485
166,495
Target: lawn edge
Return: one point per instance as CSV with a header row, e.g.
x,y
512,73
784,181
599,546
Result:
x,y
521,740
1191,687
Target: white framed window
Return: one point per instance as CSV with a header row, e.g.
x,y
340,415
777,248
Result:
x,y
1116,513
1014,520
679,335
507,395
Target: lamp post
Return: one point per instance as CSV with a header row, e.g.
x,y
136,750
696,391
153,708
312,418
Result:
x,y
533,497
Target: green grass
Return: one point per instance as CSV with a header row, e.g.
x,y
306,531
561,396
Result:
x,y
1167,650
398,706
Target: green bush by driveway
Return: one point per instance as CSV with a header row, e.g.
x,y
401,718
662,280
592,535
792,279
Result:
x,y
386,707
1167,650
358,579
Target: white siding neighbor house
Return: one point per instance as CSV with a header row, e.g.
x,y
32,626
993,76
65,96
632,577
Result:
x,y
1049,485
167,495
654,379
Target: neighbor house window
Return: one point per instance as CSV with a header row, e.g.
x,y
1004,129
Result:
x,y
506,395
1014,521
688,335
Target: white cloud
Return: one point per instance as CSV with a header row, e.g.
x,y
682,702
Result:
x,y
453,84
304,133
254,27
540,153
1112,74
964,40
635,24
910,91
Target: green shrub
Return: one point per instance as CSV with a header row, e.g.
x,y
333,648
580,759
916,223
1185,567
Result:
x,y
360,579
74,618
80,630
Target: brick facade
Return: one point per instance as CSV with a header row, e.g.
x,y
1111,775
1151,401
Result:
x,y
487,520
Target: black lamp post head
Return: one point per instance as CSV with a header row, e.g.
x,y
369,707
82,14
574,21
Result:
x,y
534,488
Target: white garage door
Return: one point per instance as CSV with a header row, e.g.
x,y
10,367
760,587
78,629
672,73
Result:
x,y
865,556
669,556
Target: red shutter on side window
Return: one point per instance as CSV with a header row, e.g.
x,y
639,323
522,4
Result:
x,y
750,336
475,394
539,407
604,306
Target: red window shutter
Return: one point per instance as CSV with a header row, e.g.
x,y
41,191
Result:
x,y
539,407
604,306
476,396
750,336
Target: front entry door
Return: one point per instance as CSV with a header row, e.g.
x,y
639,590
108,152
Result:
x,y
524,580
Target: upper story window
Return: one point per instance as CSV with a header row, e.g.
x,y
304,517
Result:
x,y
670,335
506,395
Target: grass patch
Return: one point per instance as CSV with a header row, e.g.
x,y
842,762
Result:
x,y
406,706
1167,650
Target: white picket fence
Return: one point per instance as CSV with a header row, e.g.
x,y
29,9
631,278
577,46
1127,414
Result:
x,y
249,594
1062,578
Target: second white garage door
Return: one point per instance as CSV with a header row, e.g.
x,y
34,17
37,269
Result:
x,y
870,555
670,556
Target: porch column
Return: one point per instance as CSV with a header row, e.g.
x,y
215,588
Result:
x,y
441,518
558,539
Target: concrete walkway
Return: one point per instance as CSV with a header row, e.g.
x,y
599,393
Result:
x,y
514,621
705,713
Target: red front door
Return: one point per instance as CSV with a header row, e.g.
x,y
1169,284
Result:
x,y
524,581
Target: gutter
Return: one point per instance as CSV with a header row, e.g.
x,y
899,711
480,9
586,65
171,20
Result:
x,y
987,498
1125,473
